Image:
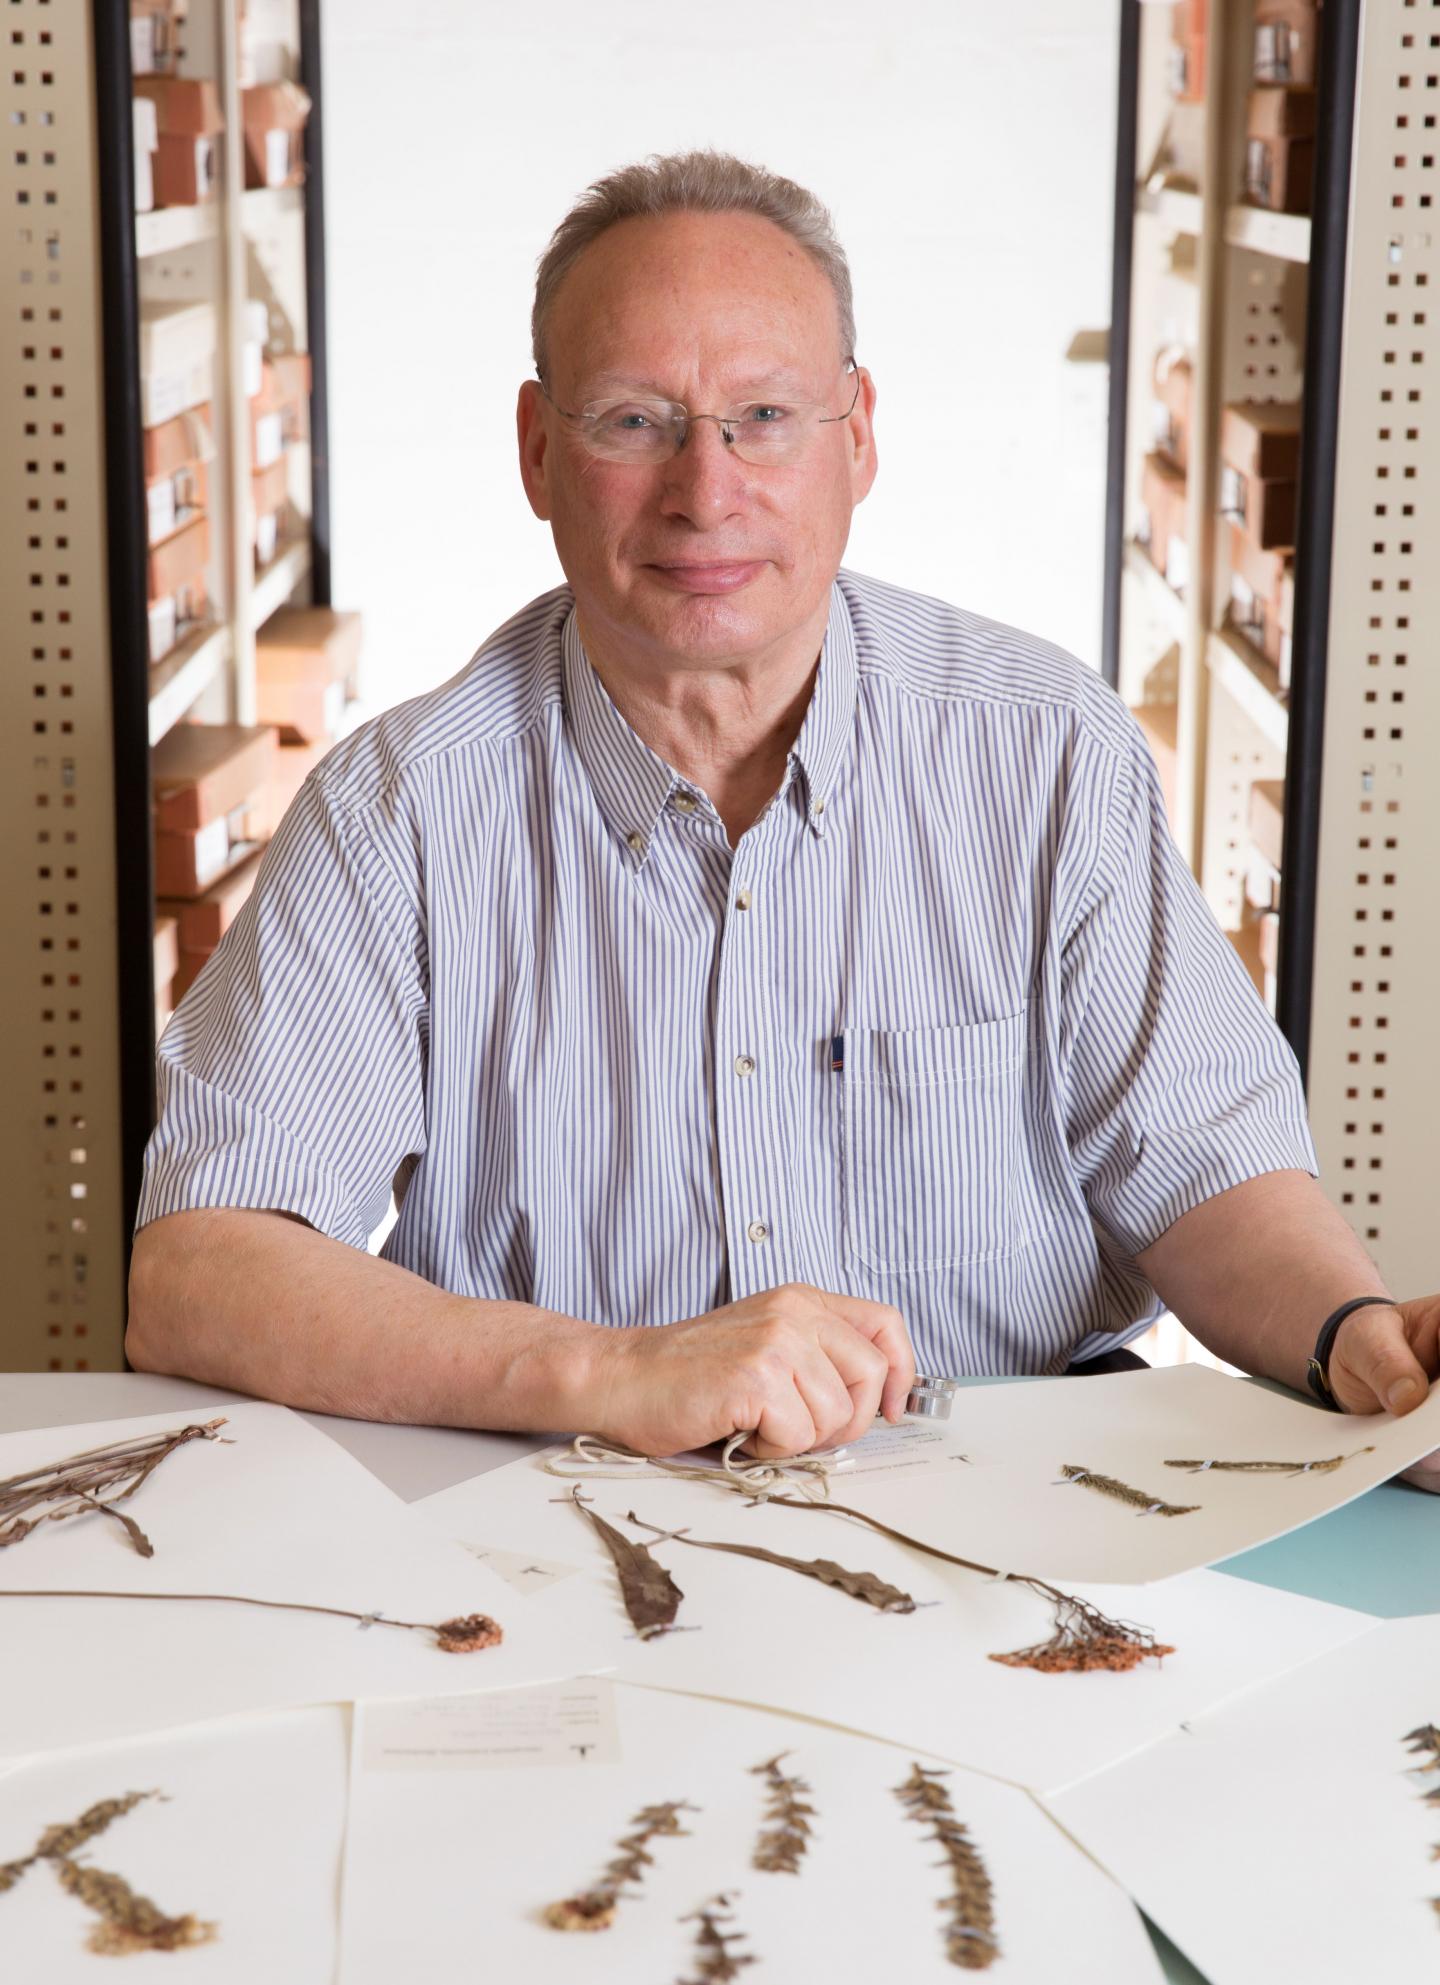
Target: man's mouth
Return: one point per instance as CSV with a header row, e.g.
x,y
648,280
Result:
x,y
725,575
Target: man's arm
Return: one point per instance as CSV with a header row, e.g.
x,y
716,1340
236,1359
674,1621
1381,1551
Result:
x,y
262,1302
1255,1271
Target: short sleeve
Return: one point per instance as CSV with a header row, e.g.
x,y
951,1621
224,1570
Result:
x,y
1178,1082
292,1077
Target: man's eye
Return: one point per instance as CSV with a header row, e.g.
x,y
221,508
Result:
x,y
767,415
631,420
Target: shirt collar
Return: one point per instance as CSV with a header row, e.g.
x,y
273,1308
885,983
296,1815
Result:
x,y
634,784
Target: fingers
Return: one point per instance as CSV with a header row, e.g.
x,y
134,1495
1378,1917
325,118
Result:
x,y
1372,1366
884,1327
864,1371
1425,1474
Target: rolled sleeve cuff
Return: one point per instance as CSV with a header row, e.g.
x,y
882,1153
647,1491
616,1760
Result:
x,y
211,1150
1178,1168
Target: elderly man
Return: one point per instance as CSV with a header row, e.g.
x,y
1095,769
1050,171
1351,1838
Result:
x,y
742,970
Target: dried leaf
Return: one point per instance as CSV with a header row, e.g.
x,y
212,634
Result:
x,y
130,1922
786,1840
652,1598
717,1962
93,1821
75,1486
970,1940
1106,1485
859,1584
1325,1467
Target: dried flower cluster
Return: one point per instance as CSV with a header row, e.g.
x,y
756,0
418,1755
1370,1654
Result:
x,y
128,1922
1424,1742
1325,1467
970,1940
785,1841
717,1962
78,1485
1106,1485
594,1908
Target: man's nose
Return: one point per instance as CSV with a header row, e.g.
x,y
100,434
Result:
x,y
705,479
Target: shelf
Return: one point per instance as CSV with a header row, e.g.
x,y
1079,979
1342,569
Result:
x,y
262,206
1174,206
1286,236
1160,596
279,579
184,676
1251,682
169,228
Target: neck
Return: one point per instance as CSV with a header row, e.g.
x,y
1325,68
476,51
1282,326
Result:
x,y
727,724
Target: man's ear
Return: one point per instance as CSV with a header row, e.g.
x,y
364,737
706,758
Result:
x,y
860,433
534,439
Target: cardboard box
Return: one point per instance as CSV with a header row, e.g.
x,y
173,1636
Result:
x,y
187,159
1174,396
1162,496
187,864
146,134
1256,577
294,764
1262,439
201,923
201,772
180,561
1246,941
306,661
1267,819
167,951
154,37
269,488
192,964
1188,38
1280,150
1268,929
1159,722
1287,38
275,116
174,443
177,357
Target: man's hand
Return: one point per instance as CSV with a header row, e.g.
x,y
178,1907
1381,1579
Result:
x,y
1383,1360
801,1366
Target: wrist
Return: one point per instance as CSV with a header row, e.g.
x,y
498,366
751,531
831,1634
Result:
x,y
1317,1373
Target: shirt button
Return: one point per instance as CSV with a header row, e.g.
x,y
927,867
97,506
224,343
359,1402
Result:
x,y
819,806
758,1231
635,843
685,802
742,899
744,1065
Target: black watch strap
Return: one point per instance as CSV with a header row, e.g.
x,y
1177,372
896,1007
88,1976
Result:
x,y
1317,1375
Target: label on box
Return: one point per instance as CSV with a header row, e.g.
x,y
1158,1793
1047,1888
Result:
x,y
204,168
142,44
334,707
212,851
162,629
1276,46
269,441
1257,171
267,531
1177,563
1284,666
252,368
160,509
144,182
277,157
1232,494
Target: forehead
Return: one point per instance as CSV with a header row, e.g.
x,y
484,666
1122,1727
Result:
x,y
727,297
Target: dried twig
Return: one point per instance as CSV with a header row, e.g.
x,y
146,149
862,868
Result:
x,y
1425,1742
1084,1637
466,1634
859,1584
76,1486
970,1940
786,1839
1325,1467
652,1598
129,1922
717,1962
594,1908
1106,1485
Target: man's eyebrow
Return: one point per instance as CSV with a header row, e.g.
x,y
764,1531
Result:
x,y
602,384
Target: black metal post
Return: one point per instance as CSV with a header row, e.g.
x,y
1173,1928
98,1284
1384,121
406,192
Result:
x,y
1122,260
311,69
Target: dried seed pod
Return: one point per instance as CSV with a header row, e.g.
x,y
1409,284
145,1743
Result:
x,y
1106,1485
970,1939
468,1634
786,1839
130,1922
582,1912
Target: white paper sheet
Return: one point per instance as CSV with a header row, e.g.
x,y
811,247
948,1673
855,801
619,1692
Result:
x,y
450,1864
762,1635
1285,1835
248,1837
283,1513
1006,1506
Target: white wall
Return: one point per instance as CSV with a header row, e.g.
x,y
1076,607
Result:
x,y
965,148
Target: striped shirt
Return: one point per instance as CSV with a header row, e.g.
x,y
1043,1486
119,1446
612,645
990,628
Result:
x,y
951,1027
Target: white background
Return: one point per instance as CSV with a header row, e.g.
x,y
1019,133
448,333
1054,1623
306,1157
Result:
x,y
965,149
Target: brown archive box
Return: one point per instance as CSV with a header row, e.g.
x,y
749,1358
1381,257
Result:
x,y
1163,496
179,561
187,864
191,121
294,763
1267,818
306,659
1174,395
1256,582
275,115
1159,721
1260,458
201,772
1280,149
1286,37
1189,28
174,444
203,921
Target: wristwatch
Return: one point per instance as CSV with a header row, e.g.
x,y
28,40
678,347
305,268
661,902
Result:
x,y
1317,1374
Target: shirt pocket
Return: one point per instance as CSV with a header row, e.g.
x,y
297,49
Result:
x,y
931,1130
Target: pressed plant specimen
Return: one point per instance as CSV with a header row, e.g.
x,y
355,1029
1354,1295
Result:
x,y
468,1633
92,1483
1424,1742
859,1584
652,1598
594,1908
1325,1467
717,1961
785,1838
1121,1492
970,1939
128,1922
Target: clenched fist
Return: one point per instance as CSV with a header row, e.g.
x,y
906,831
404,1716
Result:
x,y
803,1367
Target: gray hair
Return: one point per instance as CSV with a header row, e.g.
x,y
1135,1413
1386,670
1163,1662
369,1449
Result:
x,y
702,182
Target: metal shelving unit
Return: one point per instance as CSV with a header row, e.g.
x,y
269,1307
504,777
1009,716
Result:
x,y
83,703
1331,309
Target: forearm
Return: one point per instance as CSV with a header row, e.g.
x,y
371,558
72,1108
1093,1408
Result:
x,y
1255,1271
264,1304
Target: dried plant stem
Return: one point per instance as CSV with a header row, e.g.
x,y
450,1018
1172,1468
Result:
x,y
1084,1637
77,1485
466,1634
1425,1742
129,1922
785,1841
859,1584
1325,1467
652,1598
970,1940
1121,1492
594,1908
717,1962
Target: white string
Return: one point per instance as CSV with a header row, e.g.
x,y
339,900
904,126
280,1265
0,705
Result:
x,y
589,1458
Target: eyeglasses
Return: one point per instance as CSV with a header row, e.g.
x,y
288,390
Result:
x,y
645,431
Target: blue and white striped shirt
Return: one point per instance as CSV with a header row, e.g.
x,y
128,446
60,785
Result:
x,y
951,1027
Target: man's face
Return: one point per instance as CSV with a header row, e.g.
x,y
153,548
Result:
x,y
700,557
